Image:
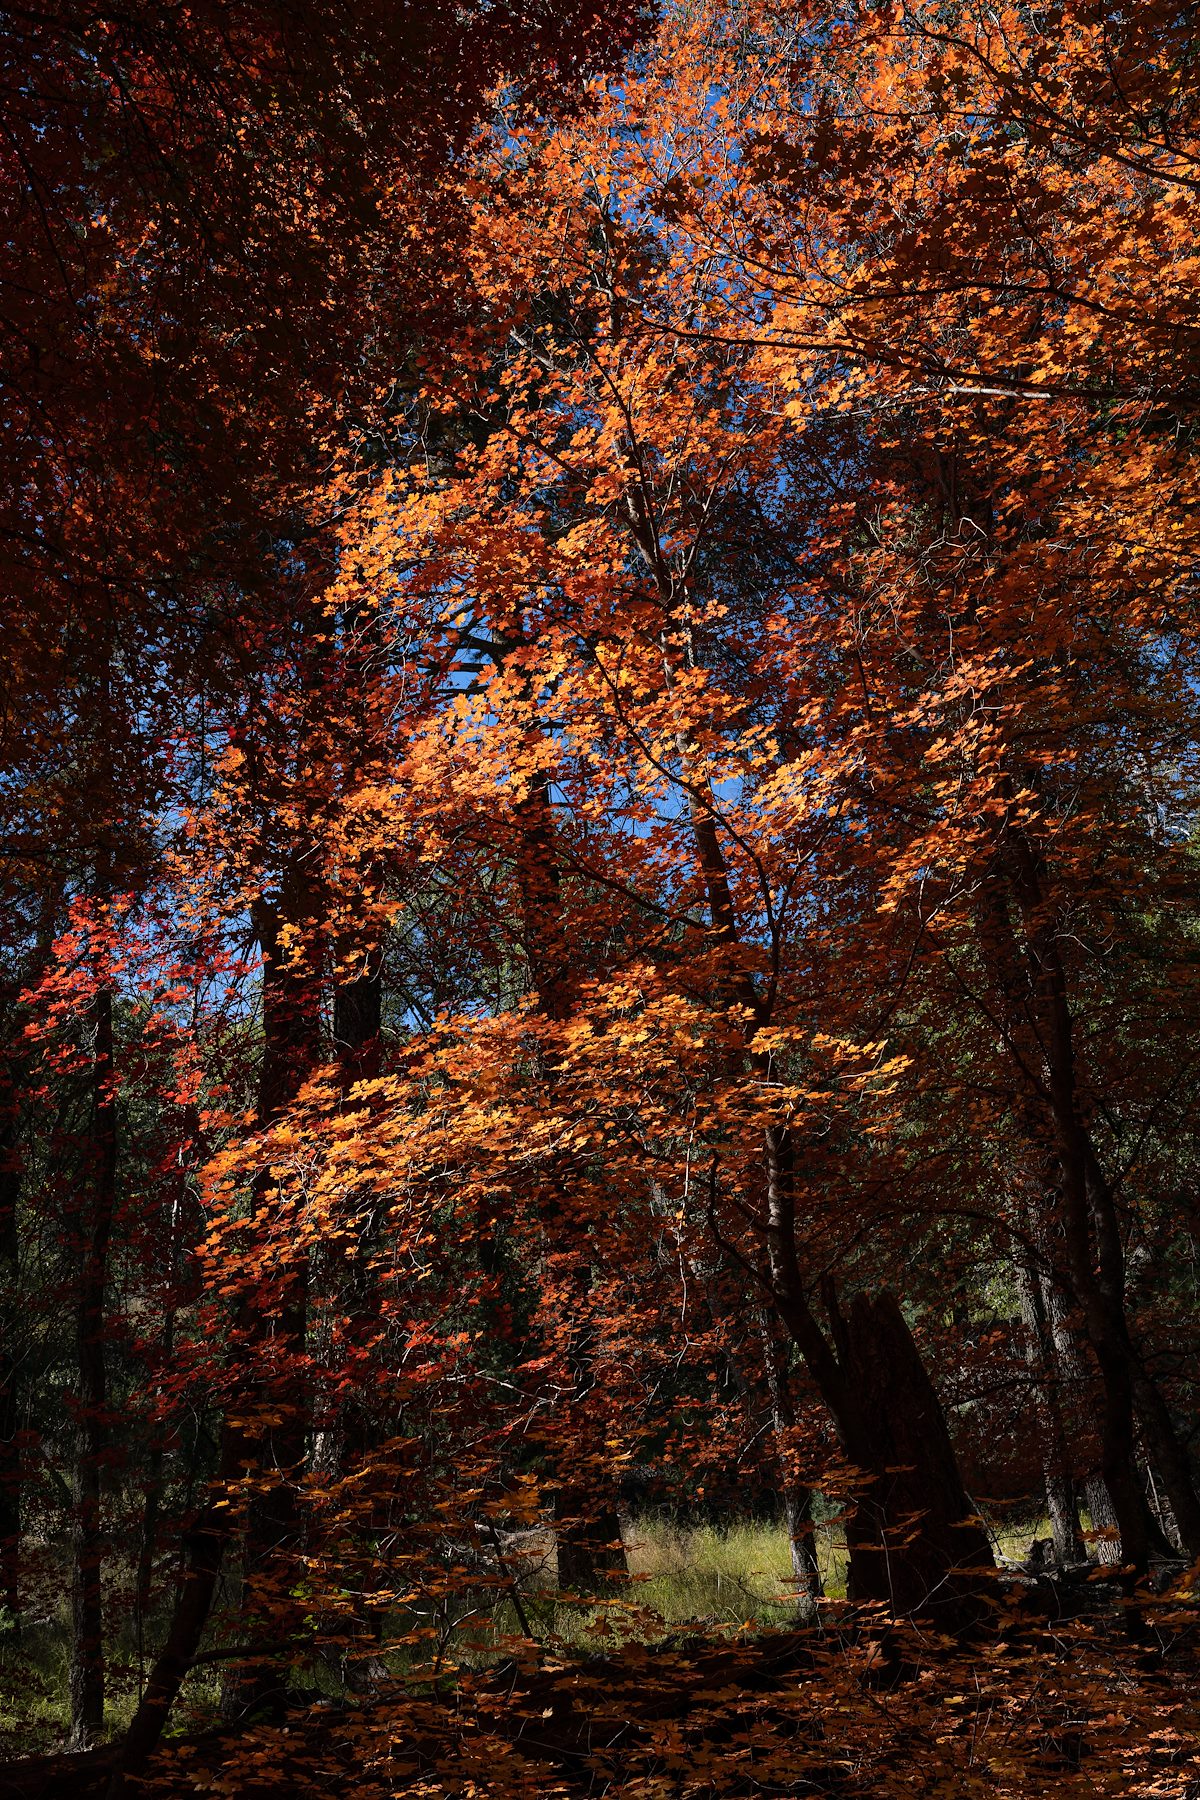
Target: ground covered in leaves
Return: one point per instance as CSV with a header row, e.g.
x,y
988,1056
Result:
x,y
1036,1709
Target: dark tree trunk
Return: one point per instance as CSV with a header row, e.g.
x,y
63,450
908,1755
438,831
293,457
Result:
x,y
152,1507
203,1550
1057,1477
358,949
1076,1387
1102,1301
1170,1459
913,1537
291,1046
357,1017
1161,1542
587,1536
914,1541
86,1681
1094,1250
587,1530
291,1026
10,1405
13,1076
936,1565
147,1541
587,1527
344,1437
797,1497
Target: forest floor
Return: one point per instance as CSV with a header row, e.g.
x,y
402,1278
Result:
x,y
1030,1713
615,1703
1037,1714
724,1577
728,1576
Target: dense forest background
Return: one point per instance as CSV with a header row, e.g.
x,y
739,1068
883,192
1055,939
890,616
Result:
x,y
600,948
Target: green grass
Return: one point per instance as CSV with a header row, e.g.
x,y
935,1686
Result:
x,y
712,1577
717,1578
35,1715
729,1574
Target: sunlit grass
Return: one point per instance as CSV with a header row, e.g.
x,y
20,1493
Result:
x,y
738,1572
716,1578
708,1577
681,1577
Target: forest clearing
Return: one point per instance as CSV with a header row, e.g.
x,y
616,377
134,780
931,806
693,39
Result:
x,y
600,900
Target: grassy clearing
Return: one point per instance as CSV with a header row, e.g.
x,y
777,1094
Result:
x,y
728,1574
711,1576
728,1578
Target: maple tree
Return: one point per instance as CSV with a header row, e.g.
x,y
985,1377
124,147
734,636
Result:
x,y
601,737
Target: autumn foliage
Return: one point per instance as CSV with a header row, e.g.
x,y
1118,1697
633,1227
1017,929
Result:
x,y
601,898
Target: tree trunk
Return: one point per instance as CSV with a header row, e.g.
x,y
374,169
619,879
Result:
x,y
797,1497
147,1540
914,1541
10,1409
590,1548
291,1043
357,1016
1170,1458
291,1025
1105,1523
1095,1254
86,1680
1074,1384
1057,1479
588,1541
913,1537
933,1564
1166,1532
587,1528
344,1436
204,1548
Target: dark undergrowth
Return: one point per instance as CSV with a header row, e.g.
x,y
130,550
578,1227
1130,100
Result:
x,y
861,1710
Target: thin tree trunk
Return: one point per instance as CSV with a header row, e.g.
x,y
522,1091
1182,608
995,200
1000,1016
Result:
x,y
1074,1384
590,1547
1170,1458
350,1430
152,1507
86,1680
914,1541
587,1527
204,1548
1095,1254
1057,1479
797,1497
147,1540
1166,1531
10,1408
291,1027
291,1022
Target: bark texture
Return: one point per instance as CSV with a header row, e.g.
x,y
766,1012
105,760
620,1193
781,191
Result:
x,y
797,1497
87,1674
